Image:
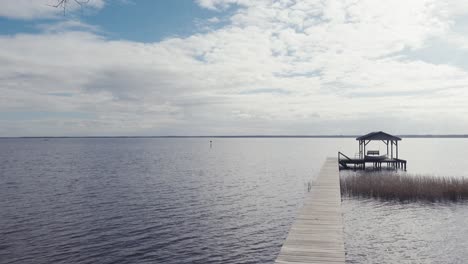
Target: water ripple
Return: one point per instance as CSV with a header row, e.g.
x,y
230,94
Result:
x,y
389,232
149,200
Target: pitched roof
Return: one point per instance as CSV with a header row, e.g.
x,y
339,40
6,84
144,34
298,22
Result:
x,y
379,135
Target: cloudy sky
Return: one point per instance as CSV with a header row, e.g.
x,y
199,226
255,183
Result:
x,y
233,67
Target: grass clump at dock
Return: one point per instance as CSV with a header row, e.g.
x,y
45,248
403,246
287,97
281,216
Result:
x,y
393,186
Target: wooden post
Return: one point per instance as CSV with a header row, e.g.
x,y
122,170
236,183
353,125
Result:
x,y
387,148
360,149
396,145
364,154
392,150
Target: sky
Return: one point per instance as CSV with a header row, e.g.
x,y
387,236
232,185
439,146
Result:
x,y
233,67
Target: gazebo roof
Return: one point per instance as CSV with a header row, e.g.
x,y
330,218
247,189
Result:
x,y
379,135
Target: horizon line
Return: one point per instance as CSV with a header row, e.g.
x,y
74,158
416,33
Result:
x,y
249,136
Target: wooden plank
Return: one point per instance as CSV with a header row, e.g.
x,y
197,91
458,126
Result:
x,y
316,235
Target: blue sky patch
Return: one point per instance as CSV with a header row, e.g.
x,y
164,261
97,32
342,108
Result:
x,y
142,21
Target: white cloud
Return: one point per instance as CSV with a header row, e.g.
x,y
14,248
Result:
x,y
67,25
282,67
222,4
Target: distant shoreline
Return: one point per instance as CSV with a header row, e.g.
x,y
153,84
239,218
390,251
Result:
x,y
247,136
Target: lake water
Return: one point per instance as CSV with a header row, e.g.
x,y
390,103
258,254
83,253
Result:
x,y
180,201
416,232
388,232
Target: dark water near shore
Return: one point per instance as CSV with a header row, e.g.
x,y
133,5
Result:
x,y
175,200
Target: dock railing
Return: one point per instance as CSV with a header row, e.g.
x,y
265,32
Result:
x,y
341,157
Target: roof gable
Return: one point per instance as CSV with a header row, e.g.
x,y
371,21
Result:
x,y
379,135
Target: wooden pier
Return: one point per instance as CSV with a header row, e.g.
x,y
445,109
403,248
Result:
x,y
373,157
316,236
346,163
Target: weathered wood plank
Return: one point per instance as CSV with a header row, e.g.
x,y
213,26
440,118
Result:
x,y
316,236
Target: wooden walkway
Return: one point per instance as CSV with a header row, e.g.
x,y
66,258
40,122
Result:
x,y
316,236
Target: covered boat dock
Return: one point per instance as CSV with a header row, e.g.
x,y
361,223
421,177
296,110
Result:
x,y
373,157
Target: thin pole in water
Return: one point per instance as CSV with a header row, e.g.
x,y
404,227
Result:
x,y
211,143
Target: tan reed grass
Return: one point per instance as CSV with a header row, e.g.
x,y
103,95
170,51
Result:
x,y
393,186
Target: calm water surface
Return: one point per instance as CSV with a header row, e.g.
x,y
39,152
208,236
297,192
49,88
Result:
x,y
178,201
151,200
386,232
392,232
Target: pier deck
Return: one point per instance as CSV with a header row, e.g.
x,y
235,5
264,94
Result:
x,y
316,236
346,162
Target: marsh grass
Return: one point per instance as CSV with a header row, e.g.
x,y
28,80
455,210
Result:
x,y
392,186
